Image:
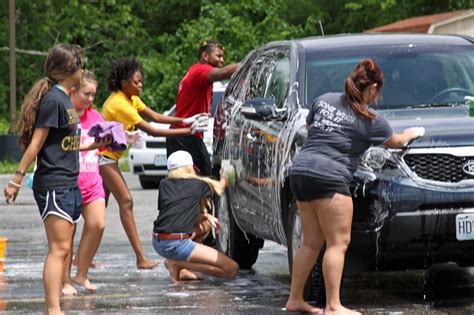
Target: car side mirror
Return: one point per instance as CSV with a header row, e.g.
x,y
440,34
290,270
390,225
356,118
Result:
x,y
262,109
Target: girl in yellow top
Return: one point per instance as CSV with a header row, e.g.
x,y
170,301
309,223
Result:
x,y
125,106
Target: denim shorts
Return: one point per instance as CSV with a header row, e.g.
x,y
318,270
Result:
x,y
175,249
65,203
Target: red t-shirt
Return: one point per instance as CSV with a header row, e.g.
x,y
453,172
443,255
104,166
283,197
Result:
x,y
194,93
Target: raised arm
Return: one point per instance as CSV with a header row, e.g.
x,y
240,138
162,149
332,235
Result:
x,y
224,73
400,140
151,115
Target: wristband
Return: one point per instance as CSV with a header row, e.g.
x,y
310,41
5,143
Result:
x,y
12,183
20,172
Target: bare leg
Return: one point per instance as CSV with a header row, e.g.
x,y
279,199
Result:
x,y
201,230
186,275
68,288
58,233
94,224
335,217
204,259
115,183
303,262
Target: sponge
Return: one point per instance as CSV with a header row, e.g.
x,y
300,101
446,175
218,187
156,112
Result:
x,y
229,172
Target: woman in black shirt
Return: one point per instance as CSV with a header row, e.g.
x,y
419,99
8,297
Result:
x,y
174,232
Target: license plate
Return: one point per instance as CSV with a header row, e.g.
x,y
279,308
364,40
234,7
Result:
x,y
160,160
464,227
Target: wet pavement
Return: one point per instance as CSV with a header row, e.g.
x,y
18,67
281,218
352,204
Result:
x,y
122,289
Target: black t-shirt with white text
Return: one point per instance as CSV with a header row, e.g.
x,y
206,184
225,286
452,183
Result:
x,y
58,158
179,204
337,136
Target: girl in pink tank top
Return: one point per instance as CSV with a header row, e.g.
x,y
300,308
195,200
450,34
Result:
x,y
90,184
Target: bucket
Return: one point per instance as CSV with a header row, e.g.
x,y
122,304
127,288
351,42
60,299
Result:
x,y
3,249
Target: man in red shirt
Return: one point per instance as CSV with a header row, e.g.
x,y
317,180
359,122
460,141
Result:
x,y
194,97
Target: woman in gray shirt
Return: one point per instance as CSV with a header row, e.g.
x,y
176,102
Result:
x,y
340,128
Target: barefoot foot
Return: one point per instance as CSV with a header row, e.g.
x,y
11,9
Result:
x,y
68,289
54,311
85,283
186,275
147,264
297,306
340,311
173,270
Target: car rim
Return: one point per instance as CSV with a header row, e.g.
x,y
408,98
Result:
x,y
223,236
296,234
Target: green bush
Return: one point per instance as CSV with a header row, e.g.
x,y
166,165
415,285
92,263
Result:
x,y
4,125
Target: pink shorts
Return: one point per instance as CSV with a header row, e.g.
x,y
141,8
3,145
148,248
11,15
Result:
x,y
92,192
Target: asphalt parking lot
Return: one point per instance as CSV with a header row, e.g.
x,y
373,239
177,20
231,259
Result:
x,y
263,290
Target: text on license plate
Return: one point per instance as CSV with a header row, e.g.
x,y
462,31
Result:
x,y
160,160
465,227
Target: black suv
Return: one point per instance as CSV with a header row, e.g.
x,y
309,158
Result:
x,y
412,207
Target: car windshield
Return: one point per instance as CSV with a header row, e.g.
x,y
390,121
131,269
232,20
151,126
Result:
x,y
414,76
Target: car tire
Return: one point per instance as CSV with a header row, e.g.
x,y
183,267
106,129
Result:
x,y
241,247
149,182
314,288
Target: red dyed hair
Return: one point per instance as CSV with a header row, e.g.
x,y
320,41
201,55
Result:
x,y
365,74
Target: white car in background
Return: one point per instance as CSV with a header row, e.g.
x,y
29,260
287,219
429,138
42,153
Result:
x,y
147,157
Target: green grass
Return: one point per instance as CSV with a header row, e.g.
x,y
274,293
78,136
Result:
x,y
9,167
123,165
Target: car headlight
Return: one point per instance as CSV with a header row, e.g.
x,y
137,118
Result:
x,y
375,158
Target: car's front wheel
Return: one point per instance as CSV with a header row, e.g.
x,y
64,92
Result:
x,y
243,248
314,288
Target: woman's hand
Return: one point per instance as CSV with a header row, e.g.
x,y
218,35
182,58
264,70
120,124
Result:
x,y
103,142
11,191
214,222
199,126
197,117
132,136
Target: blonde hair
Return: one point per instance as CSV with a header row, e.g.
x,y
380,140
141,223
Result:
x,y
87,76
187,172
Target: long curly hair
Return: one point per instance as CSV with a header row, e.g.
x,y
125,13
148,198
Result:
x,y
121,70
366,73
62,61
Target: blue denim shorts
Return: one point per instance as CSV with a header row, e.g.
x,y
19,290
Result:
x,y
65,203
175,249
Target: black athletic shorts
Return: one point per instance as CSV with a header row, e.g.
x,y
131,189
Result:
x,y
307,188
64,203
196,147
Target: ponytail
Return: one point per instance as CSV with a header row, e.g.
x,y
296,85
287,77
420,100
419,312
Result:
x,y
364,75
29,110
